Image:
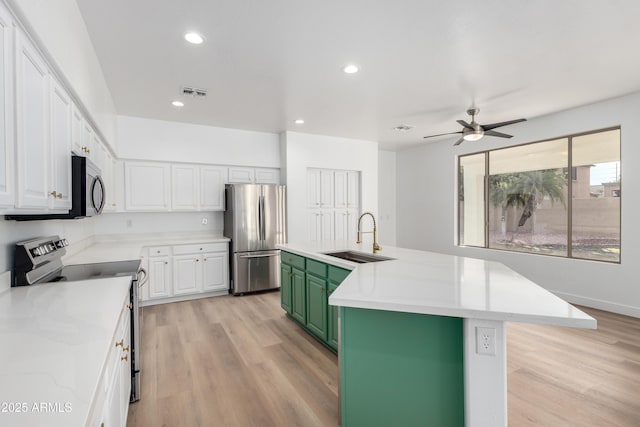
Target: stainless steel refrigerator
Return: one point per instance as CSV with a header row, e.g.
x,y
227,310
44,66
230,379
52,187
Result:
x,y
255,220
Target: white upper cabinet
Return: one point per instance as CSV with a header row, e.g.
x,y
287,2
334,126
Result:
x,y
87,139
147,186
184,187
7,145
77,125
60,162
238,175
242,175
32,131
313,188
212,180
267,176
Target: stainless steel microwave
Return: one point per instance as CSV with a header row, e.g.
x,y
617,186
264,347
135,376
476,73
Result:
x,y
87,193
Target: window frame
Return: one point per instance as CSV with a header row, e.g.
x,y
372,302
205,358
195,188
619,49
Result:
x,y
570,180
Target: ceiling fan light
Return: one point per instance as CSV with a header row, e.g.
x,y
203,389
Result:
x,y
473,136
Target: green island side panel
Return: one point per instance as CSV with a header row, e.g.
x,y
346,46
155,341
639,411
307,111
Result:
x,y
401,369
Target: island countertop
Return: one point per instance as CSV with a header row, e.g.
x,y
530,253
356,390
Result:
x,y
443,285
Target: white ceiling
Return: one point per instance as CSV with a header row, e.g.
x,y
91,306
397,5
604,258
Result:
x,y
424,62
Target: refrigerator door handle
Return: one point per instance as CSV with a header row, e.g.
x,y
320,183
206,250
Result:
x,y
259,256
263,233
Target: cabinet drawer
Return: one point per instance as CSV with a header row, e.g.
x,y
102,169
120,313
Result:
x,y
293,260
160,251
200,248
337,274
316,267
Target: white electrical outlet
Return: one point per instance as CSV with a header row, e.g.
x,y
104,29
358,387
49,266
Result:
x,y
486,341
205,221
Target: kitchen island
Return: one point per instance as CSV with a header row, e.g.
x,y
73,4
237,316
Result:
x,y
422,335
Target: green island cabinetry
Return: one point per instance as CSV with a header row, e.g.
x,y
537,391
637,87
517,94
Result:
x,y
304,291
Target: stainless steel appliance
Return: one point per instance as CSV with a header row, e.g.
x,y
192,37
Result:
x,y
255,220
39,261
87,193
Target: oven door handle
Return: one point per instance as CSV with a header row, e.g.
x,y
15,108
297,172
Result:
x,y
145,277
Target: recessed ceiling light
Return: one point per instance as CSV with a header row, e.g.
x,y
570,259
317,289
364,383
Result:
x,y
351,69
403,128
177,104
299,121
194,38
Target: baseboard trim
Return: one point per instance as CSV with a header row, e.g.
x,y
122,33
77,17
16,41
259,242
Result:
x,y
183,298
613,307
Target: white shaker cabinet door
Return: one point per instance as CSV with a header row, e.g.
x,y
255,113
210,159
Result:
x,y
7,191
212,180
61,110
32,131
326,189
340,189
267,176
186,274
215,271
313,188
77,127
353,190
147,186
184,187
328,229
239,175
159,277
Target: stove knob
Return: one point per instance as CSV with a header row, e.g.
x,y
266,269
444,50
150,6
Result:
x,y
65,242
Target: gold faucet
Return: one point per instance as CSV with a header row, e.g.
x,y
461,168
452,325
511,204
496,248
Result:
x,y
376,246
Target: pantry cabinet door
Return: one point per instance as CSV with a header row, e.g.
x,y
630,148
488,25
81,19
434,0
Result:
x,y
32,131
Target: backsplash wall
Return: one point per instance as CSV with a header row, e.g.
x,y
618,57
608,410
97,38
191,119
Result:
x,y
12,232
110,223
161,222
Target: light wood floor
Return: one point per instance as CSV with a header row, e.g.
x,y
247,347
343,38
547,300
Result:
x,y
238,361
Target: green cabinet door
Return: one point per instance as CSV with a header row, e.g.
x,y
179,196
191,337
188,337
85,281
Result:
x,y
317,306
298,296
285,287
332,320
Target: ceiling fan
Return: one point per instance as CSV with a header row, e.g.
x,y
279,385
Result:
x,y
474,131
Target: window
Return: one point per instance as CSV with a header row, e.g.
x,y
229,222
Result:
x,y
516,198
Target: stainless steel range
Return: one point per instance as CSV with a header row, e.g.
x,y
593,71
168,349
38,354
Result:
x,y
39,261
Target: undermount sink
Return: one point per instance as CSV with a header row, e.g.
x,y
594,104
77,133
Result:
x,y
359,257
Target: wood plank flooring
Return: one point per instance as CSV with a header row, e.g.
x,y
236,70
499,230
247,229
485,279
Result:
x,y
238,361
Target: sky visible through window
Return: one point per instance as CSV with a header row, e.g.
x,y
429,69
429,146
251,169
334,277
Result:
x,y
605,172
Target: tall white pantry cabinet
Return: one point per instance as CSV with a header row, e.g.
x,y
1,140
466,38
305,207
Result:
x,y
333,204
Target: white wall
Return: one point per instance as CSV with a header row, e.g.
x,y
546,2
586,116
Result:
x,y
387,197
16,231
158,222
58,28
161,140
426,212
302,151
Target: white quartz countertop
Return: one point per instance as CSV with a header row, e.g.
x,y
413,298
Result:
x,y
106,248
55,339
443,285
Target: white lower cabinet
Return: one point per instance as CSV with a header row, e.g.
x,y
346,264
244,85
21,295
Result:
x,y
185,271
159,277
111,405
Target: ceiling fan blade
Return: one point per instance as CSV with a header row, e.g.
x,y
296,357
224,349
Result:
x,y
498,134
497,125
458,142
442,134
464,124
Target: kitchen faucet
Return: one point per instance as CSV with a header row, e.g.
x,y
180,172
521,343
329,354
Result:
x,y
376,246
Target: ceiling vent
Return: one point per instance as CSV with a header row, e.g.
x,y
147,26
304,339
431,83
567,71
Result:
x,y
194,92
